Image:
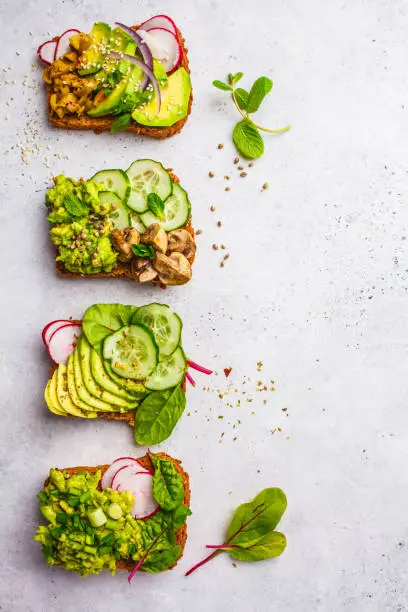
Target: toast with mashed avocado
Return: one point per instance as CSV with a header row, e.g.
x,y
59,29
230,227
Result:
x,y
129,515
134,224
119,78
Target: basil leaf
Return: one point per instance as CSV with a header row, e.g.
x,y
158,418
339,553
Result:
x,y
248,140
255,519
143,250
75,206
156,205
242,98
259,90
121,123
234,78
162,556
221,85
271,545
158,414
101,320
168,487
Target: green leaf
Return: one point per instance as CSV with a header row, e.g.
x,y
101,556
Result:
x,y
259,90
158,414
156,205
248,140
121,123
164,554
241,96
221,85
178,516
168,487
234,78
146,251
255,519
75,206
270,545
101,320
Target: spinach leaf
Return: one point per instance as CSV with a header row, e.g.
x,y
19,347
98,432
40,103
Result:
x,y
121,123
242,98
222,86
143,250
75,206
168,487
158,414
101,320
257,93
248,140
270,545
156,205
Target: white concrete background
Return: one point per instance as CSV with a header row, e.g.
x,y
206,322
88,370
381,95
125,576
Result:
x,y
316,288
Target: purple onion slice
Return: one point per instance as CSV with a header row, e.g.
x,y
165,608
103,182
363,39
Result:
x,y
143,48
149,73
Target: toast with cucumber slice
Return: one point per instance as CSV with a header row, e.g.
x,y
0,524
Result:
x,y
133,223
114,517
122,363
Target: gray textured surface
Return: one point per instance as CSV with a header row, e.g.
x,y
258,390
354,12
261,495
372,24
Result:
x,y
316,288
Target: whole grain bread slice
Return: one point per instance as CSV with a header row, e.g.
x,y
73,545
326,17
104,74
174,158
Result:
x,y
181,533
103,124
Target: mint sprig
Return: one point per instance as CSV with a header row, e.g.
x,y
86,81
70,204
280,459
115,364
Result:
x,y
246,134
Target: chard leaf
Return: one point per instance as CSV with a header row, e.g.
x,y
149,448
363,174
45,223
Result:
x,y
168,488
259,90
270,545
248,140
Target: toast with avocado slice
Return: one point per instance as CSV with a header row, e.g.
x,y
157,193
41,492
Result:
x,y
114,517
99,82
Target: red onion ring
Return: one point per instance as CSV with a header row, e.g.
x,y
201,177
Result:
x,y
146,69
143,48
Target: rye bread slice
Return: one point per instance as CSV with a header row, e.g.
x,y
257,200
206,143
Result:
x,y
181,533
103,124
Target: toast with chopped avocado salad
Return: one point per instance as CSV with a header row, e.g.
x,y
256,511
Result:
x,y
124,363
129,515
134,224
119,78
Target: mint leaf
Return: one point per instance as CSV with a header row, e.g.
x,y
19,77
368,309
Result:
x,y
121,123
221,85
242,98
248,140
234,78
156,205
259,90
143,250
75,206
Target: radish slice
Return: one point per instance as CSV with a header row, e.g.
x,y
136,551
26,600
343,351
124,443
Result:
x,y
63,45
51,327
140,484
46,51
62,342
164,47
159,21
115,466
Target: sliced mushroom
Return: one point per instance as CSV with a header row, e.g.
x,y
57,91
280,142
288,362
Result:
x,y
181,241
173,270
148,274
123,241
156,236
142,270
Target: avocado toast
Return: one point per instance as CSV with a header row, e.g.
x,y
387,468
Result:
x,y
117,516
119,78
134,224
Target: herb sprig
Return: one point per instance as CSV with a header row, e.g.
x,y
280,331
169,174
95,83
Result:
x,y
251,535
246,134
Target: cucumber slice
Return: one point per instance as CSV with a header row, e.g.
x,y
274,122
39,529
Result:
x,y
114,180
177,209
132,351
147,176
169,372
164,324
135,221
119,215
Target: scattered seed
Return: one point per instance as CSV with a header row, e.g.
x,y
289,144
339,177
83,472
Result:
x,y
227,189
219,223
211,174
212,208
236,160
227,178
222,264
220,146
223,246
242,174
215,247
227,256
227,372
265,186
250,165
240,167
198,232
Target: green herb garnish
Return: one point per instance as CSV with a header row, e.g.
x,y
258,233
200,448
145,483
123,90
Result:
x,y
121,123
246,134
143,250
75,206
156,205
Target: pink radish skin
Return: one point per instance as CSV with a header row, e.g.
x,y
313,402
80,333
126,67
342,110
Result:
x,y
51,327
46,51
140,485
160,21
164,47
63,45
114,467
62,342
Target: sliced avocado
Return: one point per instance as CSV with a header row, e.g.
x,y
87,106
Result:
x,y
93,402
85,349
126,90
137,389
104,381
93,58
50,396
175,98
65,399
72,389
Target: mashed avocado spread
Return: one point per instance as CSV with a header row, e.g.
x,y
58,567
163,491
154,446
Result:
x,y
81,226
